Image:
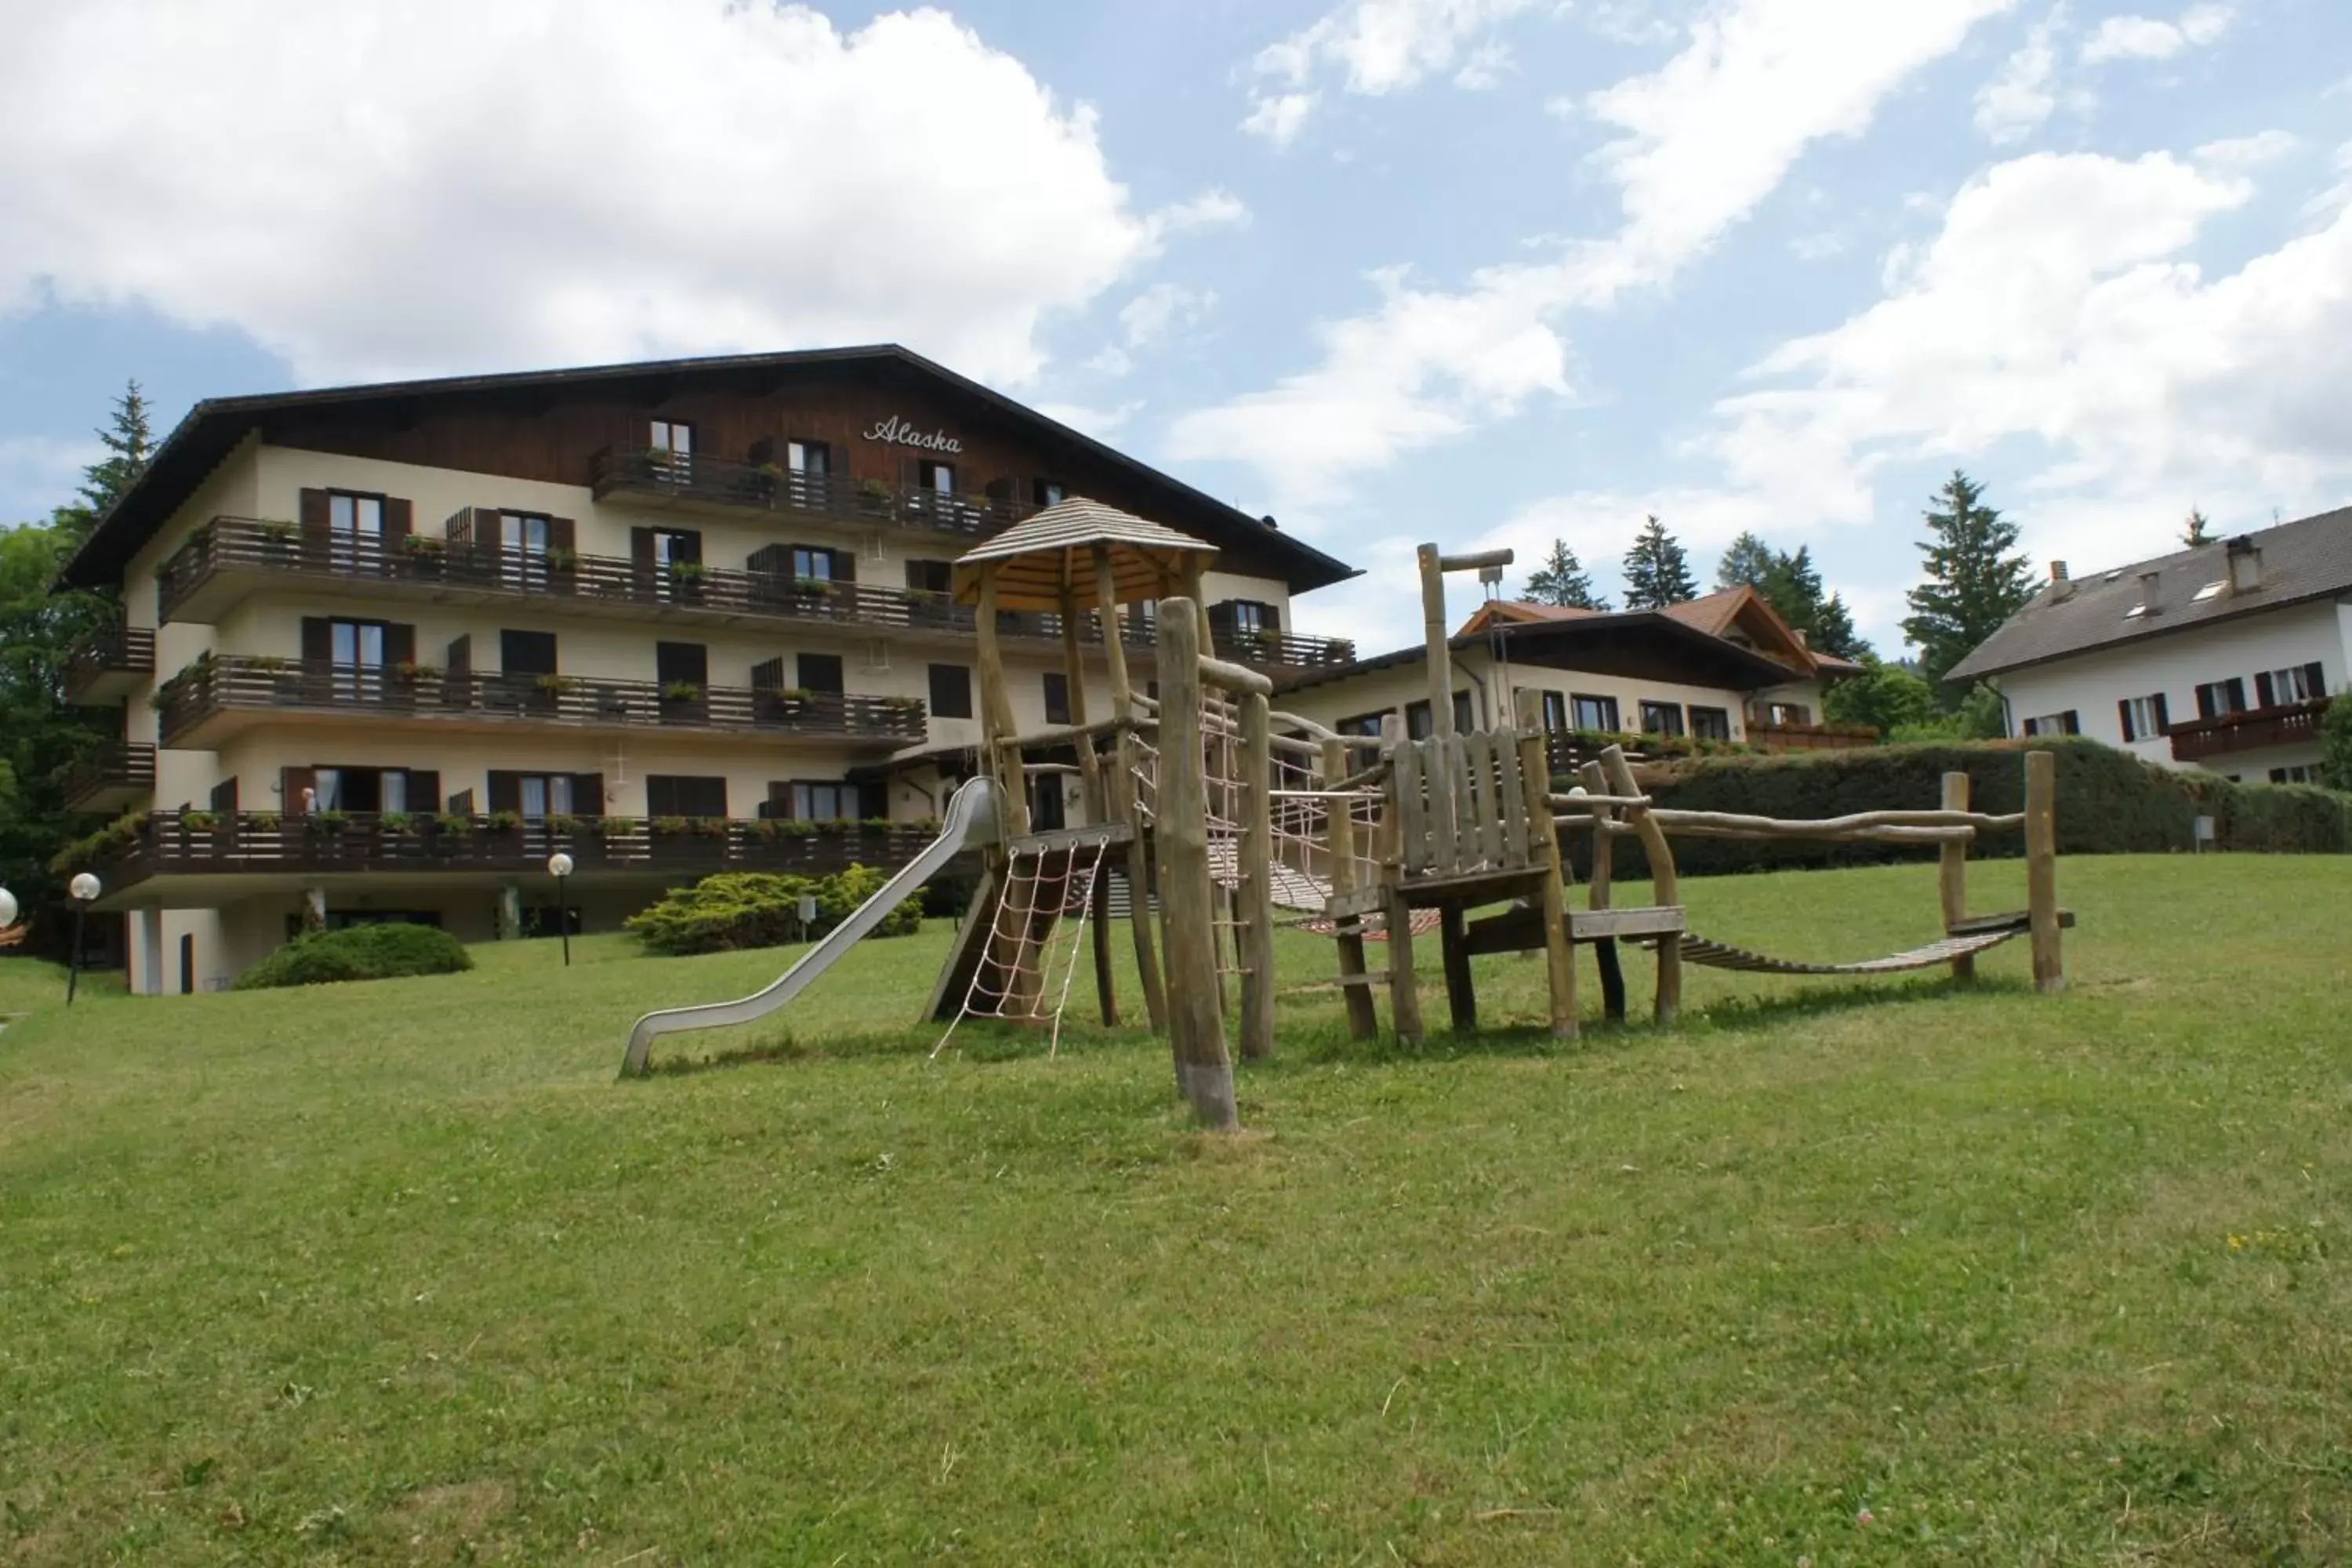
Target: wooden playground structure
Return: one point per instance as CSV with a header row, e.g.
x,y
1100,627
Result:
x,y
1226,815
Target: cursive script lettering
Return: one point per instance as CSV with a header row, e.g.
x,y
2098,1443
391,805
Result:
x,y
897,432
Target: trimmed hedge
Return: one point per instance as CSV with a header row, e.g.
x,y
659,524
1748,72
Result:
x,y
2109,803
762,908
359,953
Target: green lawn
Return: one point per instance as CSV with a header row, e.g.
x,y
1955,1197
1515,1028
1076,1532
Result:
x,y
398,1272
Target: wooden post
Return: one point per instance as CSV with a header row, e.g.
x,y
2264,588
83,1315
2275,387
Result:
x,y
1604,876
1461,987
1074,676
1196,1028
1664,885
1120,796
1106,986
1952,876
1002,759
1254,916
1535,783
1363,1022
1189,576
1434,639
2042,870
1405,994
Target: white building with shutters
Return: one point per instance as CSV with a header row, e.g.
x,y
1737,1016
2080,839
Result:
x,y
2221,656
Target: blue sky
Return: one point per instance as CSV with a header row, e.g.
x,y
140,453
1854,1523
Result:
x,y
1486,271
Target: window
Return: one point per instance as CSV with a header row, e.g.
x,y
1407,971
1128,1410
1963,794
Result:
x,y
2216,698
1058,698
1555,711
1791,714
1662,719
2276,688
366,789
1045,492
356,644
543,795
1361,724
812,563
1245,617
833,801
938,477
681,664
931,576
821,672
808,459
2066,723
527,653
951,691
355,524
673,794
523,539
672,435
2295,773
1594,712
2144,718
1710,724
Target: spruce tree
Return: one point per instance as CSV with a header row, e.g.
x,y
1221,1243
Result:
x,y
1561,580
129,445
1657,572
2196,530
1747,563
1973,583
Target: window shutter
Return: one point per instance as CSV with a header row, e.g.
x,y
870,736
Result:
x,y
424,789
708,796
506,791
2123,712
2073,722
225,795
845,566
768,675
2163,714
2265,694
314,516
2316,677
291,783
641,546
2206,705
318,640
873,800
461,654
685,544
562,533
489,537
399,521
399,644
588,795
1273,615
459,528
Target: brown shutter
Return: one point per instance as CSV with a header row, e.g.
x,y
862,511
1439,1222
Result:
x,y
225,795
641,546
424,789
318,640
460,656
314,516
2073,724
2123,713
291,783
506,791
588,795
399,644
845,566
399,521
562,533
2264,693
2317,677
459,528
768,675
490,541
2163,715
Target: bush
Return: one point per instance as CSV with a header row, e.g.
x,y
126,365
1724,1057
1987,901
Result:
x,y
360,952
762,908
2109,803
2335,744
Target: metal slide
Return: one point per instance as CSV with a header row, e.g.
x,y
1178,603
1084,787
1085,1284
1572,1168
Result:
x,y
973,821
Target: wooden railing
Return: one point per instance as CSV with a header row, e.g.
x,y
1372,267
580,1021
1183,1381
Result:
x,y
202,843
118,765
113,649
245,544
1812,737
766,486
2249,730
214,686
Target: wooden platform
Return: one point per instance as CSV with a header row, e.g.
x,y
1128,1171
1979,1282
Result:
x,y
1106,834
1462,889
1521,929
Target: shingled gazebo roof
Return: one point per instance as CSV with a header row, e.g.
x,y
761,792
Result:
x,y
1052,553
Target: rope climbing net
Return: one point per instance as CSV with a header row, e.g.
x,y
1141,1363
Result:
x,y
1037,933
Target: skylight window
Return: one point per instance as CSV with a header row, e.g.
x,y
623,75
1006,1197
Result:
x,y
2135,611
2210,589
2118,572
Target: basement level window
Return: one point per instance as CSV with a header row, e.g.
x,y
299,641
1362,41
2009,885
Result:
x,y
2210,589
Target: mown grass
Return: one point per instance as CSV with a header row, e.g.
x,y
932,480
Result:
x,y
397,1272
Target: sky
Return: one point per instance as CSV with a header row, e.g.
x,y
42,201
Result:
x,y
1489,272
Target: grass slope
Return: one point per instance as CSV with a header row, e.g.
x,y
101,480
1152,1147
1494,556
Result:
x,y
397,1272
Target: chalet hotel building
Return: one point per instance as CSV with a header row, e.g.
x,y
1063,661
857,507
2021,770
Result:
x,y
386,648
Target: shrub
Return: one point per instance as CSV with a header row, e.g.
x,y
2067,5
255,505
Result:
x,y
2335,744
762,908
359,953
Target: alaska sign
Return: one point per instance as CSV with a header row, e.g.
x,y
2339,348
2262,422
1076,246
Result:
x,y
897,432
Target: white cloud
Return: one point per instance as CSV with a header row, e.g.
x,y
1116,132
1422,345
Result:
x,y
1163,307
1377,47
1706,138
1099,423
2247,152
2148,38
1210,209
378,188
2013,105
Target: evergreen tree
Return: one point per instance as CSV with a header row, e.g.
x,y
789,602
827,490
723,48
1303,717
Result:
x,y
1657,572
1973,583
129,445
1561,580
2196,530
1748,563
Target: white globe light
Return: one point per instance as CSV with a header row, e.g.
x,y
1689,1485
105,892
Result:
x,y
84,887
559,865
7,909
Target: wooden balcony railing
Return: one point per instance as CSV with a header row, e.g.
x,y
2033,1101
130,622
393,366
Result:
x,y
2249,730
203,843
727,483
109,663
1812,737
211,688
111,777
229,544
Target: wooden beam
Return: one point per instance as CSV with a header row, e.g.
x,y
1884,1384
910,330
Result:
x,y
1952,875
1254,898
2042,870
1602,891
1666,886
1440,654
1533,770
1196,1025
1363,1023
1120,794
1405,994
1234,678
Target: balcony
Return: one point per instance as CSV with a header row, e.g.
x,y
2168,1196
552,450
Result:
x,y
118,774
1812,737
215,698
727,487
224,558
262,850
2249,729
109,664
